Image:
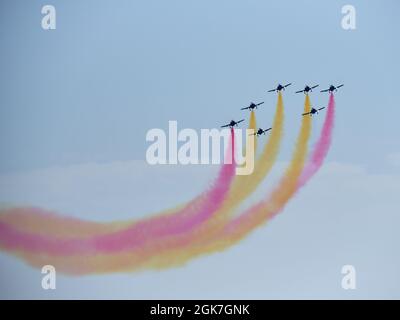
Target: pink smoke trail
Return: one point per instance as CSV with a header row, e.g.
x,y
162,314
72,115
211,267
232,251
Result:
x,y
184,221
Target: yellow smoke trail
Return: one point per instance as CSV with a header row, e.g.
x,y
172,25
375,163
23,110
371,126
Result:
x,y
50,224
47,223
243,186
41,222
154,255
253,126
252,218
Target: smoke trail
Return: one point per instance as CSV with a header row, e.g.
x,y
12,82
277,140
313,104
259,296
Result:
x,y
322,146
243,186
254,217
47,223
265,161
150,253
233,232
161,226
253,126
41,222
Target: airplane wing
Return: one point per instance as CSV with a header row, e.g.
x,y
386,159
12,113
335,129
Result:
x,y
299,91
315,86
321,108
253,134
225,126
267,129
326,90
304,114
259,104
272,90
245,108
340,86
287,85
240,121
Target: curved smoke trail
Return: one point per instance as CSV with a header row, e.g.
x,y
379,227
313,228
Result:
x,y
157,255
136,259
46,223
41,222
256,216
322,146
160,227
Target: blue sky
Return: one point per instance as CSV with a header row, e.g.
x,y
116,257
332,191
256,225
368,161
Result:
x,y
76,102
91,89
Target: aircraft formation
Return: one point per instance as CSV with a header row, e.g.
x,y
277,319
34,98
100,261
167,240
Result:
x,y
307,89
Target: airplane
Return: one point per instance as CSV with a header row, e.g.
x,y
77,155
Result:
x,y
252,106
332,88
313,111
232,124
279,88
307,89
260,132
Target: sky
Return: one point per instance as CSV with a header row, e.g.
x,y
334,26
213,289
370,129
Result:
x,y
76,104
